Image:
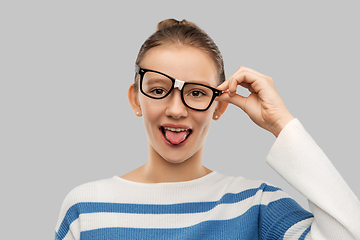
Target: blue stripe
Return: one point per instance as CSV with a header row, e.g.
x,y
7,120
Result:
x,y
181,208
57,237
278,216
71,215
244,227
302,237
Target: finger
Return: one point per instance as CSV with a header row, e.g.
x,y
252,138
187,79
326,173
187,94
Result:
x,y
243,76
242,68
240,78
237,99
256,82
247,86
233,84
226,86
223,86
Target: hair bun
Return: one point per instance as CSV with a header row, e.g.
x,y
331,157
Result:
x,y
167,23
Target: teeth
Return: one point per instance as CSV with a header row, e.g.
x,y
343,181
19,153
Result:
x,y
175,129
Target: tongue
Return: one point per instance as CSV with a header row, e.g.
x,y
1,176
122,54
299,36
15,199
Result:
x,y
176,137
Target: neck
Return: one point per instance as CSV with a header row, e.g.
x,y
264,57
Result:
x,y
158,169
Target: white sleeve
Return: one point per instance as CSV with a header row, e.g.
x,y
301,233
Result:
x,y
299,160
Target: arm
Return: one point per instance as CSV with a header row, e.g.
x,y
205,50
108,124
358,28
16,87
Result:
x,y
297,158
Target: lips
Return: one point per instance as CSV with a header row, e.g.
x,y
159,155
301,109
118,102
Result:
x,y
175,135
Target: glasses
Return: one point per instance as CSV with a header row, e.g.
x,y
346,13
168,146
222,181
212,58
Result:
x,y
157,85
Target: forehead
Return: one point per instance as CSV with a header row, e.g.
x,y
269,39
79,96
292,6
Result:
x,y
185,63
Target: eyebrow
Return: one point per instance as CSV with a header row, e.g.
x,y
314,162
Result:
x,y
200,82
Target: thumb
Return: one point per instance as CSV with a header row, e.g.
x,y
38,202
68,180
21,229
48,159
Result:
x,y
236,99
224,86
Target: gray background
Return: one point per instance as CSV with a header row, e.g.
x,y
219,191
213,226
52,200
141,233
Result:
x,y
66,67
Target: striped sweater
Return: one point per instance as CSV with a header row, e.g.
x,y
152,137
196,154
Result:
x,y
220,207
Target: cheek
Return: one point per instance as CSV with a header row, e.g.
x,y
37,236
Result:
x,y
150,112
203,120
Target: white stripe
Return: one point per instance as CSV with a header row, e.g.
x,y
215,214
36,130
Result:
x,y
297,229
113,189
93,221
74,233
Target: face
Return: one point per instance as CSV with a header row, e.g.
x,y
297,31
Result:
x,y
175,132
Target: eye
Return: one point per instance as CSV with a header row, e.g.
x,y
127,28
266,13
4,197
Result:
x,y
196,93
158,92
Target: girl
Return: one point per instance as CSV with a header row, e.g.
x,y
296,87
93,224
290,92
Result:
x,y
179,88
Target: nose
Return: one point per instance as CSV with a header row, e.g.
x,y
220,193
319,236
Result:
x,y
175,107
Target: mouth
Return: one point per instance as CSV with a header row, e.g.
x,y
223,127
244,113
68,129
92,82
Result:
x,y
175,136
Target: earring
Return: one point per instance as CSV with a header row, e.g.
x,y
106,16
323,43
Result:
x,y
137,113
216,116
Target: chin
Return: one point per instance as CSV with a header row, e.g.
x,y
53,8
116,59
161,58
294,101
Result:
x,y
186,152
179,157
175,160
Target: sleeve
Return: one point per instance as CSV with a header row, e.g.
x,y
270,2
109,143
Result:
x,y
68,226
281,217
299,160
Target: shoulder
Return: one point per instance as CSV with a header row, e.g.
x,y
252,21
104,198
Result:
x,y
271,199
75,201
252,188
89,192
240,183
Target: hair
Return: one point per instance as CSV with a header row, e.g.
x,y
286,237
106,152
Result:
x,y
171,31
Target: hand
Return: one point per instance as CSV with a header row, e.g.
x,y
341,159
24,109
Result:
x,y
264,105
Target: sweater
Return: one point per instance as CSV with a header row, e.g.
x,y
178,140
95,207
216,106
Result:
x,y
221,207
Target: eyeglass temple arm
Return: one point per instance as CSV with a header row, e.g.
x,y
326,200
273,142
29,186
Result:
x,y
137,69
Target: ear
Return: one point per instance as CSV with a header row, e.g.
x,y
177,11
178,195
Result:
x,y
134,100
220,109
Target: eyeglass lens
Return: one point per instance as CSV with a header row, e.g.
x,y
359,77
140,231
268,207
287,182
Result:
x,y
156,85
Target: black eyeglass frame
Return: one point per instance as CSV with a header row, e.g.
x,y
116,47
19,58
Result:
x,y
142,71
